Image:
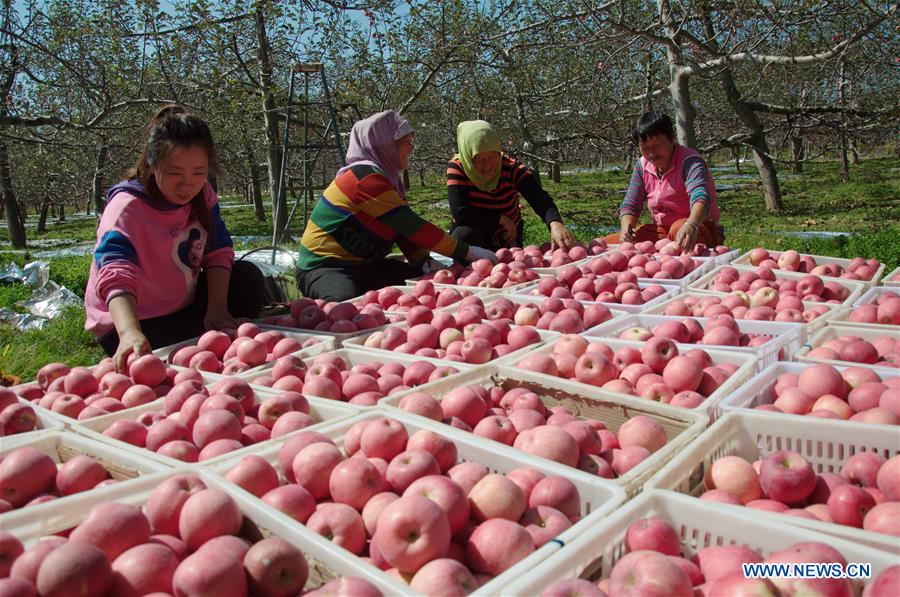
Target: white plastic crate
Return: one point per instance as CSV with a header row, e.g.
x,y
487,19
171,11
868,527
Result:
x,y
870,296
324,411
359,343
62,446
752,436
326,561
45,422
680,425
599,498
812,326
786,337
836,329
820,260
356,356
747,367
670,292
892,280
698,523
758,389
856,287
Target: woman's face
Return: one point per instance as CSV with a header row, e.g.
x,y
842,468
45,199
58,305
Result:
x,y
404,150
658,150
486,163
182,174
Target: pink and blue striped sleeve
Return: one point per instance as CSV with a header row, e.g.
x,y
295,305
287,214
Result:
x,y
696,176
636,195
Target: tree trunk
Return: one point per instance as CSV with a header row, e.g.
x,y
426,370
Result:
x,y
843,146
797,152
273,143
680,84
97,186
255,193
14,220
554,171
854,152
421,177
62,212
767,173
736,156
406,179
42,216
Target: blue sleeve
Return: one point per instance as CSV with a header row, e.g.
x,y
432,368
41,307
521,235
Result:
x,y
220,238
696,176
636,195
115,246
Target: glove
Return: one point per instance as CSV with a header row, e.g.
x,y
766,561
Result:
x,y
429,265
476,253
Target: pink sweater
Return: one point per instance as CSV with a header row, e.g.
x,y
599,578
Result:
x,y
153,251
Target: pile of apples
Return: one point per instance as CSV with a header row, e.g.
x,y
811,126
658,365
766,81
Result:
x,y
544,256
665,246
458,337
809,288
856,393
82,393
668,263
518,418
720,330
332,317
391,298
885,310
765,305
187,540
573,283
404,503
15,416
653,371
567,316
230,352
865,495
364,384
654,565
196,423
792,261
883,351
484,274
28,477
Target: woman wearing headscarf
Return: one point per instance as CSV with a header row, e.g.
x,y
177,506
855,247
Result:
x,y
363,212
483,189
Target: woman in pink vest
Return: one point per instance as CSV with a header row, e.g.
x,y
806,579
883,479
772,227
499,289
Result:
x,y
675,183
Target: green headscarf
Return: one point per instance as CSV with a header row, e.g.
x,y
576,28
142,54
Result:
x,y
472,138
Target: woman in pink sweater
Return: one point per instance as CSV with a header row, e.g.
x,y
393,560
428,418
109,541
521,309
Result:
x,y
674,183
163,268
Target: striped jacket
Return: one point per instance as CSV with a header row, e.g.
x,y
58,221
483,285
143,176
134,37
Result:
x,y
470,206
358,219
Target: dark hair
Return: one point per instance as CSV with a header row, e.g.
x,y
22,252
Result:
x,y
171,128
651,124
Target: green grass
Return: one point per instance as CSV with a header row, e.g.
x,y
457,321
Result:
x,y
866,206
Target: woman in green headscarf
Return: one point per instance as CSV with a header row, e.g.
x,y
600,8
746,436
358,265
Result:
x,y
483,188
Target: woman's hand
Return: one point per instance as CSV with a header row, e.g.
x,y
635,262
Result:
x,y
131,340
560,236
220,318
627,233
686,237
